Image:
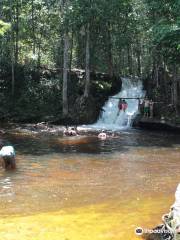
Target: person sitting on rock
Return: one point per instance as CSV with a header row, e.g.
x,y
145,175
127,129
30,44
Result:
x,y
7,154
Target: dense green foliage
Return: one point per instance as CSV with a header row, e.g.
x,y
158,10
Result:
x,y
41,39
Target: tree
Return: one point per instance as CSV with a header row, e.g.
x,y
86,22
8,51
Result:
x,y
4,27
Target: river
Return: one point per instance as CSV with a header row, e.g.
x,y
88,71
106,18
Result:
x,y
85,188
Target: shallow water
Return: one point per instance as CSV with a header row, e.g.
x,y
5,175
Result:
x,y
86,188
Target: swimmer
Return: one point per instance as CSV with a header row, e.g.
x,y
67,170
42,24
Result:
x,y
70,132
102,136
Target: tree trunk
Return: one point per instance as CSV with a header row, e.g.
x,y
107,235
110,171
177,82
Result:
x,y
65,74
175,92
12,73
139,69
139,65
155,70
33,26
39,54
17,33
64,6
129,55
87,80
71,52
12,52
123,62
1,9
110,58
165,81
157,75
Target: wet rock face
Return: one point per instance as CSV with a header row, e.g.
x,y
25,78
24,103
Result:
x,y
86,110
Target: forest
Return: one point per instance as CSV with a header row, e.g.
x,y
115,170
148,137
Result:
x,y
60,60
89,119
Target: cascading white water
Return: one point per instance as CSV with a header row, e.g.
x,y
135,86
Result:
x,y
109,118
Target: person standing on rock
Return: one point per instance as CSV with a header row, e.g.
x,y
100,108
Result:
x,y
146,107
151,108
140,105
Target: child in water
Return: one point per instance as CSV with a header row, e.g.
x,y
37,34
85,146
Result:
x,y
103,136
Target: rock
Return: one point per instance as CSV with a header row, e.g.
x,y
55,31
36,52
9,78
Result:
x,y
156,124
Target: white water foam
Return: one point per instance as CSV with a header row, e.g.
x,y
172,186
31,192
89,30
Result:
x,y
109,118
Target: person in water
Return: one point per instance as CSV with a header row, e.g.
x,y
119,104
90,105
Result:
x,y
124,105
102,136
70,131
7,154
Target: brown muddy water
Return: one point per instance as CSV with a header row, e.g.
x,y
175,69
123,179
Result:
x,y
84,188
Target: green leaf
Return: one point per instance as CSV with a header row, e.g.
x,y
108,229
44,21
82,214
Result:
x,y
3,27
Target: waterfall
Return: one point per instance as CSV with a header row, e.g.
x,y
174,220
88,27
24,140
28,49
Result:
x,y
109,118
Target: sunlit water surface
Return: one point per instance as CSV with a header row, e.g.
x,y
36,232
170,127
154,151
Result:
x,y
84,188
